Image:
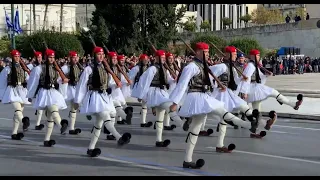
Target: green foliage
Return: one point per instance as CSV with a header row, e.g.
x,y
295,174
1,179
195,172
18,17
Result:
x,y
205,25
61,43
190,25
226,22
271,52
4,47
246,44
209,38
132,25
246,18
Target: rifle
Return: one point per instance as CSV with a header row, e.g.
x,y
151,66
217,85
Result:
x,y
238,70
106,65
173,74
61,74
117,65
214,77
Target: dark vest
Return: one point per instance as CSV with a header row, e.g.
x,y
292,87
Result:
x,y
21,76
253,76
75,76
142,68
104,76
54,75
156,79
196,83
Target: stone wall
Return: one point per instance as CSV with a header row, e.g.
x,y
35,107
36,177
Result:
x,y
304,34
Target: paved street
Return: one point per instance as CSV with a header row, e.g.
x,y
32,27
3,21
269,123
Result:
x,y
291,148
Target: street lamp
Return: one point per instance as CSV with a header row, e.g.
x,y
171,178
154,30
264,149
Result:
x,y
11,30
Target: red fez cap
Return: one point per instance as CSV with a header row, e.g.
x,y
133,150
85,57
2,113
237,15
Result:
x,y
111,54
37,54
230,49
120,57
15,52
142,56
50,52
160,53
254,52
98,49
169,54
202,45
73,54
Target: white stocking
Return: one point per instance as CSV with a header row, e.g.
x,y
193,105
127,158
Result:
x,y
173,115
166,121
50,124
72,116
192,136
222,134
204,123
96,130
39,116
119,109
54,111
244,108
225,115
144,112
159,123
109,124
17,117
282,98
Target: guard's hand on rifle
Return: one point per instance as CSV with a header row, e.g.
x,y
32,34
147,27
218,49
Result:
x,y
223,89
173,107
245,96
119,85
129,82
244,78
29,99
65,81
269,74
75,105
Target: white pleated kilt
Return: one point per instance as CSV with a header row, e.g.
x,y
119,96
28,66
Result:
x,y
230,99
258,92
95,102
171,88
126,91
118,96
1,93
156,96
49,97
196,103
17,94
71,92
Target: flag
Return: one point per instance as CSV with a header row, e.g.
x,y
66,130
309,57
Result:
x,y
17,27
9,24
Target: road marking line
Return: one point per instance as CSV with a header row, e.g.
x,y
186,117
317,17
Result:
x,y
131,161
273,156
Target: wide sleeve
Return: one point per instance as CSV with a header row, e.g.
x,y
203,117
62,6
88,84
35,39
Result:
x,y
4,77
187,73
144,82
218,69
133,73
33,81
244,86
81,88
263,77
170,78
111,82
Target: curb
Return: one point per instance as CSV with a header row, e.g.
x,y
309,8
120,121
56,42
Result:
x,y
281,115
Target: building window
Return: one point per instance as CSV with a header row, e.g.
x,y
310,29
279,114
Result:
x,y
269,5
84,5
247,10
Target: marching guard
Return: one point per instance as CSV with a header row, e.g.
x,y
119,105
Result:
x,y
13,82
44,85
255,91
198,102
135,74
93,95
152,89
72,71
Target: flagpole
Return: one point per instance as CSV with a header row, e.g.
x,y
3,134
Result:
x,y
13,41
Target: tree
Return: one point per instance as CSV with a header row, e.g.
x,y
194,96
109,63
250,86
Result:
x,y
264,16
209,38
132,25
301,12
45,16
246,18
61,17
205,25
34,17
101,32
226,22
190,25
61,43
246,44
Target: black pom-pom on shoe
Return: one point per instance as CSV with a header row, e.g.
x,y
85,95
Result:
x,y
26,123
231,147
64,126
18,136
125,139
49,143
40,127
94,152
164,143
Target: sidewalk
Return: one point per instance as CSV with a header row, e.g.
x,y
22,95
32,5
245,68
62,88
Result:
x,y
308,110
